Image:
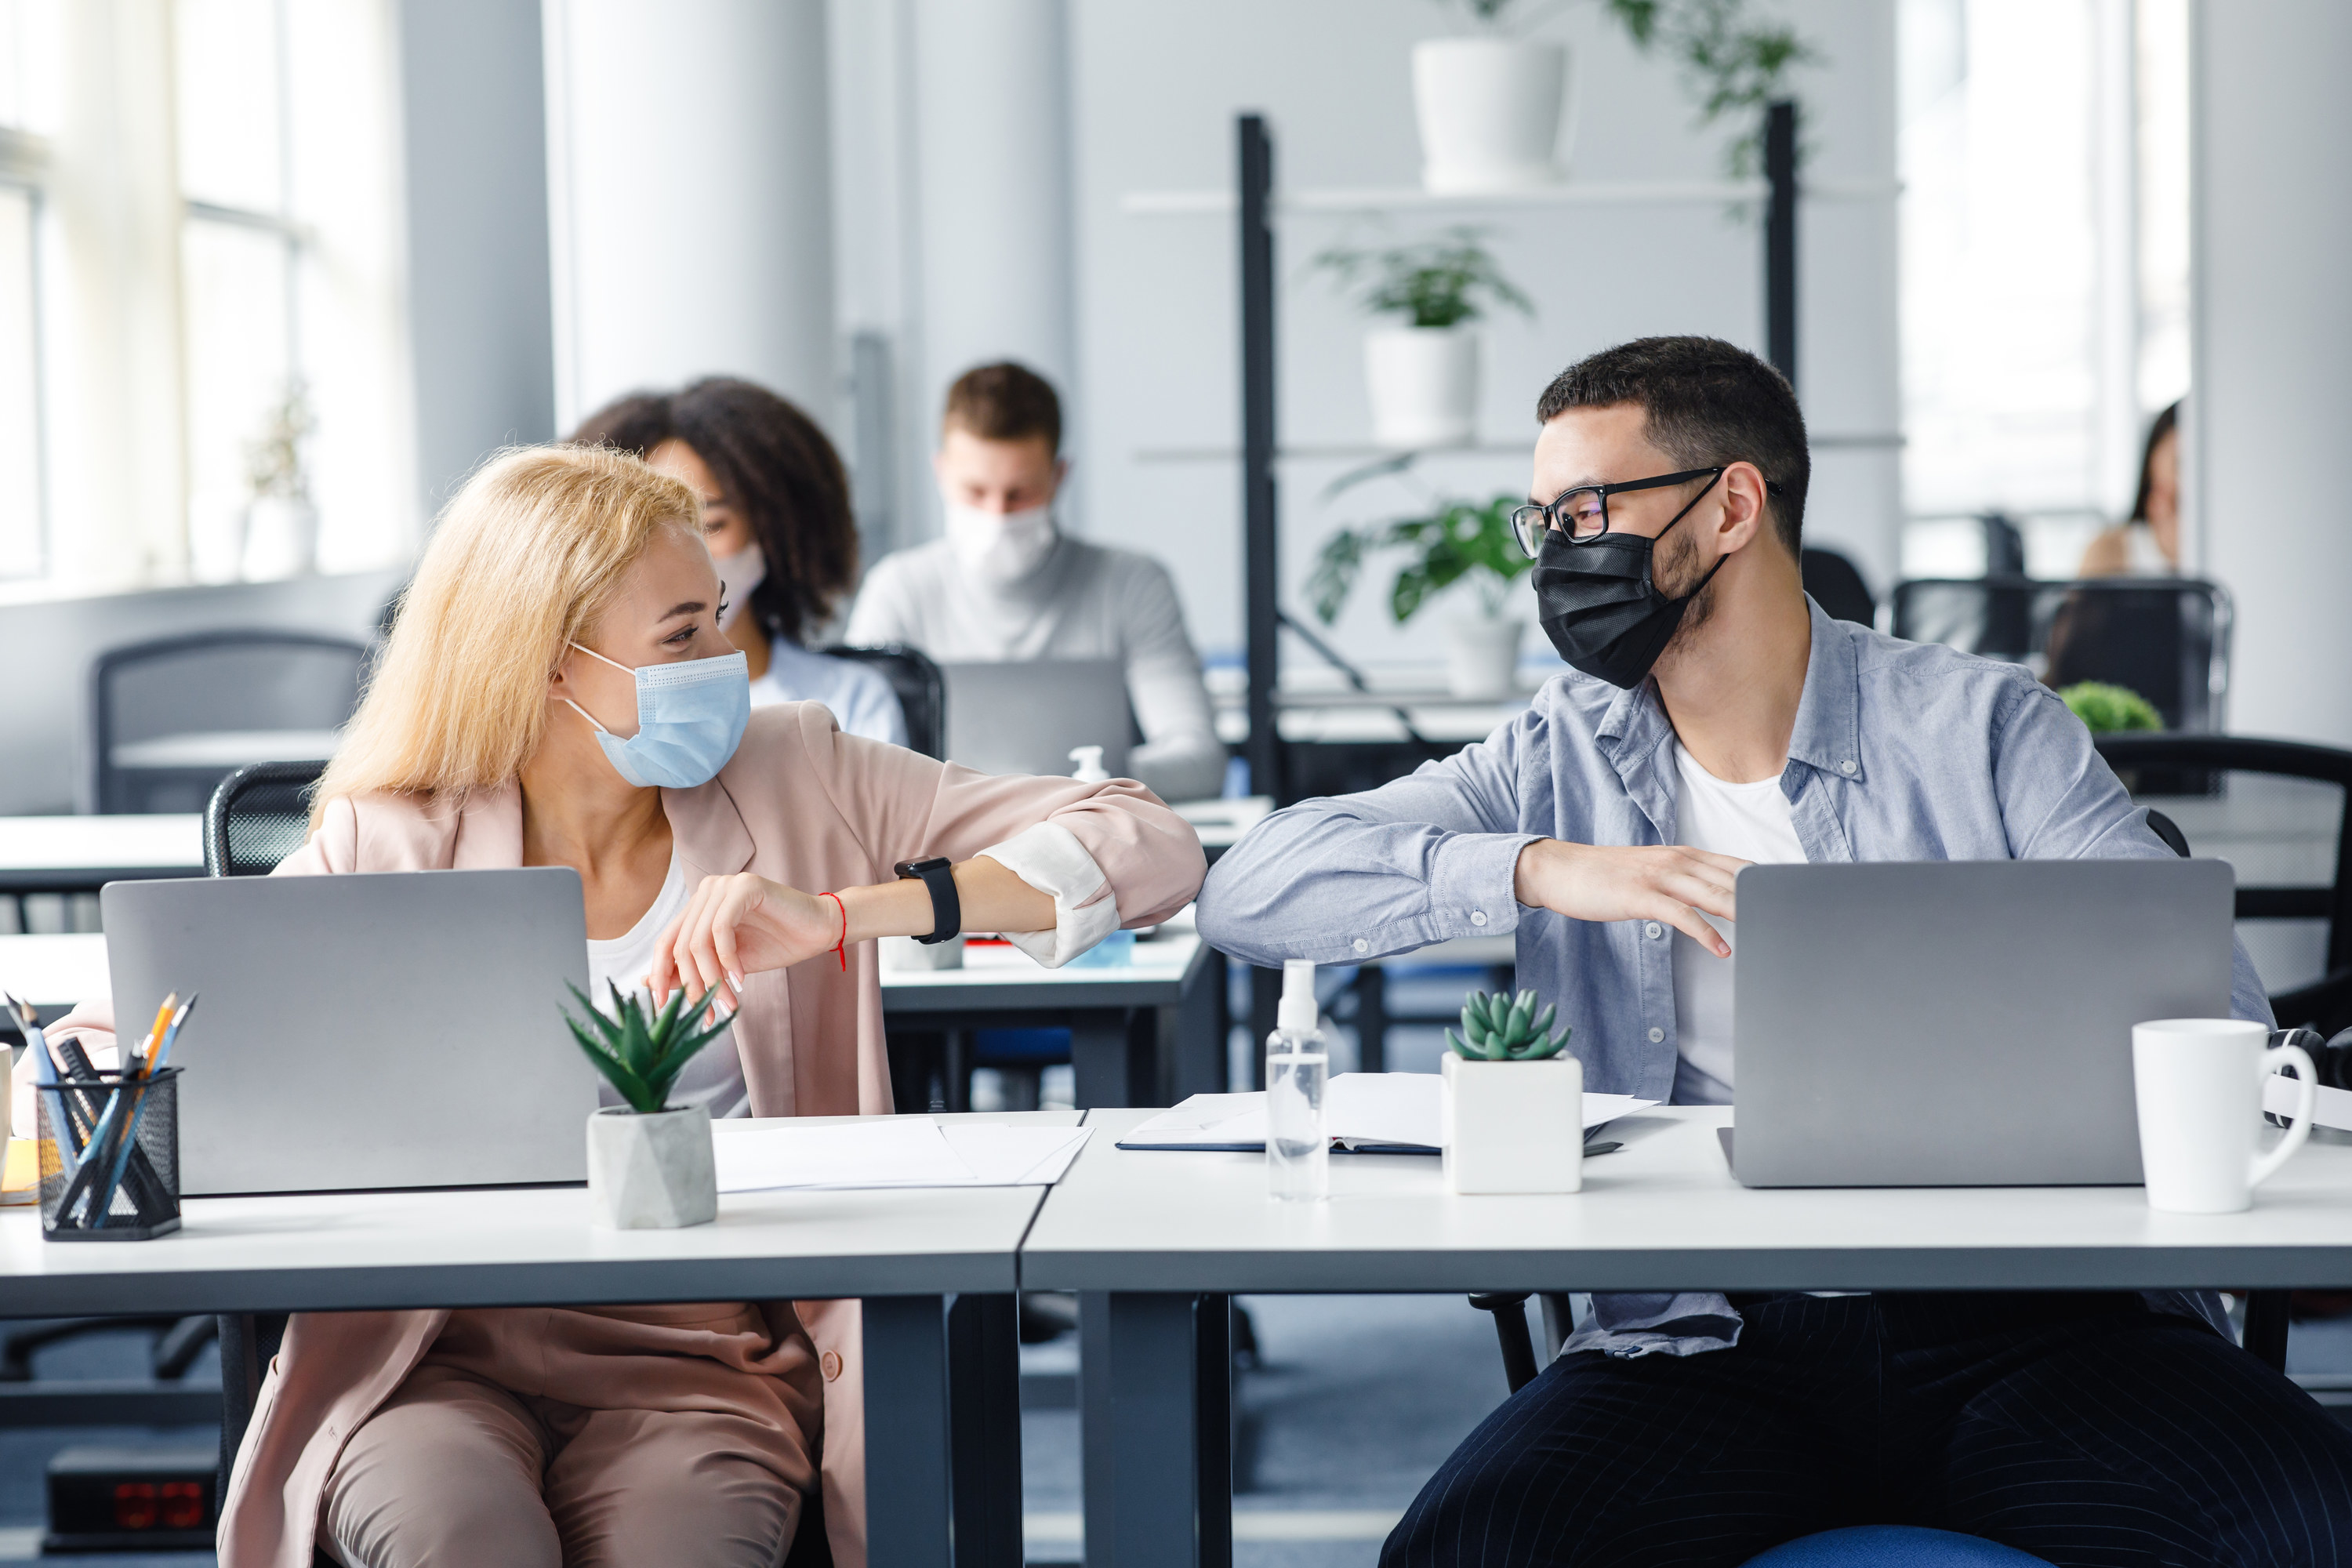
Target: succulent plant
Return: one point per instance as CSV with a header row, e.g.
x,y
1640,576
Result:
x,y
1500,1028
641,1055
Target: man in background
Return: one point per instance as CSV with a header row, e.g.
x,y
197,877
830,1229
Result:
x,y
1006,583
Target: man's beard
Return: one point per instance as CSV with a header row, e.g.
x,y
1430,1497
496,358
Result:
x,y
1682,569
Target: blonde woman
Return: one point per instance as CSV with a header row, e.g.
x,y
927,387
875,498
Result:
x,y
566,592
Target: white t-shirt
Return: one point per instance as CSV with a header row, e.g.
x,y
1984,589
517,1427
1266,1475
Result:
x,y
861,699
1751,822
715,1076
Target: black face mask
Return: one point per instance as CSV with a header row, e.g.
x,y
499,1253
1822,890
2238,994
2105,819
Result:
x,y
1600,607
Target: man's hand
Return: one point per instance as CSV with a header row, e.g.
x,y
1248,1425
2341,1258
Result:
x,y
1669,883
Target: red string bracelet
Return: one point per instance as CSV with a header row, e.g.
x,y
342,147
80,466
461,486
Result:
x,y
840,948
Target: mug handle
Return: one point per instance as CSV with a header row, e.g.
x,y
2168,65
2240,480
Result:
x,y
2307,1078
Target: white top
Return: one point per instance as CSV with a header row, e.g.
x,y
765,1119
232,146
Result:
x,y
1083,601
861,699
1750,821
715,1076
2143,556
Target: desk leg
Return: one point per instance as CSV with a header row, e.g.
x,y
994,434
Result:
x,y
984,1401
909,1510
1103,1049
1155,1394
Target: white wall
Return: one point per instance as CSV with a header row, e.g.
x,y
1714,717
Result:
x,y
2272,150
1155,90
691,193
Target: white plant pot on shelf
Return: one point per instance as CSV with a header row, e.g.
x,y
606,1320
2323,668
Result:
x,y
281,539
1482,660
651,1173
1489,111
1423,385
1513,1126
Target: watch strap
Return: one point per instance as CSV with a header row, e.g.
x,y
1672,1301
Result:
x,y
938,876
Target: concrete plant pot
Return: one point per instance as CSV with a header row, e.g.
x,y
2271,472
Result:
x,y
1482,662
901,954
651,1173
1423,382
1489,112
1513,1126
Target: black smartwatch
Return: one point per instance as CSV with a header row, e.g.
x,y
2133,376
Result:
x,y
947,909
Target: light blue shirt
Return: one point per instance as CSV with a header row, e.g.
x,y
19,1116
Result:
x,y
860,698
1901,752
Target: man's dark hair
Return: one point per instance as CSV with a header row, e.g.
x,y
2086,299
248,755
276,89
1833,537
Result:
x,y
777,469
1005,402
1706,402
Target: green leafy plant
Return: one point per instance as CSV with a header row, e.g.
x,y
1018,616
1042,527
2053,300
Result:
x,y
1731,61
1461,541
641,1055
1435,282
1500,1028
2105,709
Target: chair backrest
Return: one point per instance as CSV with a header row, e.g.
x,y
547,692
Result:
x,y
1837,586
922,690
2281,813
258,816
171,718
2166,639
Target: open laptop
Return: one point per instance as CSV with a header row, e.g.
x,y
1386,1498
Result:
x,y
1027,716
397,1030
1961,1023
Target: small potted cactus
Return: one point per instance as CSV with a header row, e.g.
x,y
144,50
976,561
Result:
x,y
1513,1098
649,1167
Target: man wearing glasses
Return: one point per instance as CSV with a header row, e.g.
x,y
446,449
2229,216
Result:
x,y
1717,718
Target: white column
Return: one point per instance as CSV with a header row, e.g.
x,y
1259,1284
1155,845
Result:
x,y
691,196
2272,323
990,108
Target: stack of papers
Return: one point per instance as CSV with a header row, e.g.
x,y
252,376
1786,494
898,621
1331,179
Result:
x,y
1385,1112
892,1151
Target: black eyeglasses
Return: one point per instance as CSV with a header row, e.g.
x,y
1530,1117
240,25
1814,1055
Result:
x,y
1582,513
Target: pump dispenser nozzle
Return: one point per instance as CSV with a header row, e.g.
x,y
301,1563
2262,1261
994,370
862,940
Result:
x,y
1298,1012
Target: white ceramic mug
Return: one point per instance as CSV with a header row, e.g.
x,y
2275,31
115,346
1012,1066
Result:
x,y
2200,1086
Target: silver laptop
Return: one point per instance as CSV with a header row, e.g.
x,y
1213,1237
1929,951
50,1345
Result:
x,y
396,1030
1961,1023
1026,717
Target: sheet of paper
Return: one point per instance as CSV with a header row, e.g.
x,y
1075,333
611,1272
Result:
x,y
896,1152
1403,1109
2334,1109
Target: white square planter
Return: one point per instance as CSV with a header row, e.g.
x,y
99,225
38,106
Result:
x,y
651,1173
1514,1127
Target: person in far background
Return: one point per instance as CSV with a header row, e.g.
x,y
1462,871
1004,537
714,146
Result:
x,y
775,513
2149,545
1007,583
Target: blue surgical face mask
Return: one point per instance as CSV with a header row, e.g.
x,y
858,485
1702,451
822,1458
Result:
x,y
690,718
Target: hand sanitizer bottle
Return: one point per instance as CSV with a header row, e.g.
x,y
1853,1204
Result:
x,y
1298,1063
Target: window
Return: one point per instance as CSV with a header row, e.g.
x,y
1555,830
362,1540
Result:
x,y
26,38
2044,150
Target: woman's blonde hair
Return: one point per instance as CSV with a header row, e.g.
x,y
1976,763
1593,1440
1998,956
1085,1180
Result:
x,y
523,562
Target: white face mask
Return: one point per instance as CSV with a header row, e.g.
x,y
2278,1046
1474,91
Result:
x,y
1000,548
738,574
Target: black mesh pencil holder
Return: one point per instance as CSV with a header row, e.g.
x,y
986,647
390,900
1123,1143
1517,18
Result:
x,y
109,1153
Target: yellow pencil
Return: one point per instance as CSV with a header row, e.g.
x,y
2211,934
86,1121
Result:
x,y
155,1035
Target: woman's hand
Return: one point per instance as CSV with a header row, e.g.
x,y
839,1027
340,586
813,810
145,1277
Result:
x,y
1668,883
738,926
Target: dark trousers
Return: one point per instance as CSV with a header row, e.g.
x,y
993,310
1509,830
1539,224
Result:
x,y
2081,1429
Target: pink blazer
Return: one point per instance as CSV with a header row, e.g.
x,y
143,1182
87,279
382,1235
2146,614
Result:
x,y
801,804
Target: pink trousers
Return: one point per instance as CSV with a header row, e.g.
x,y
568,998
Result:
x,y
582,1438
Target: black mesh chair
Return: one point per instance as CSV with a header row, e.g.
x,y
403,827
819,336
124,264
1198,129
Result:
x,y
1836,586
2166,639
922,690
170,719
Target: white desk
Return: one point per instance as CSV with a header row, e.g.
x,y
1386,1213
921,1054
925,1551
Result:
x,y
1127,1044
1157,1240
1220,824
905,1252
54,972
81,854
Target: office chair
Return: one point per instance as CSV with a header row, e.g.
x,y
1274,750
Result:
x,y
258,816
922,690
171,718
1836,586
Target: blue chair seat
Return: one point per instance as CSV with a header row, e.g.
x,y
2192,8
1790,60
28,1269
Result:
x,y
1894,1546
